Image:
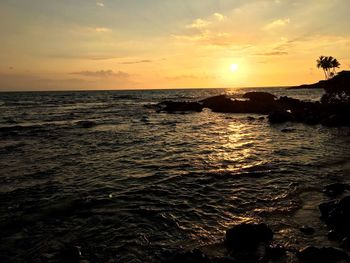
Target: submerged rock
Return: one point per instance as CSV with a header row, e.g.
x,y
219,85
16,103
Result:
x,y
247,235
179,106
280,116
307,230
335,189
86,124
324,254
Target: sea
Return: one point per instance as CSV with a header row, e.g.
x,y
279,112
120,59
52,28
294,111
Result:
x,y
103,173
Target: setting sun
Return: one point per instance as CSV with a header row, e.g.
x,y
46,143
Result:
x,y
234,67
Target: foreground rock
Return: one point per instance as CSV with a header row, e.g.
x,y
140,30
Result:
x,y
247,236
324,254
336,189
336,214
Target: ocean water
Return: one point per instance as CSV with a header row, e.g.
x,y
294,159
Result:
x,y
135,183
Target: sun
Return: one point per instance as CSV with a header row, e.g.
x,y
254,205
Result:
x,y
233,67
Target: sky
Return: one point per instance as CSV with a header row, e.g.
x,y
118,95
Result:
x,y
145,44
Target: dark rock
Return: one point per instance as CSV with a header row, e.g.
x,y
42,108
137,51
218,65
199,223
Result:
x,y
261,118
332,235
224,104
86,124
250,118
307,230
326,208
247,235
325,254
337,215
71,254
216,101
335,189
345,243
275,251
224,260
259,96
174,106
280,116
193,256
288,130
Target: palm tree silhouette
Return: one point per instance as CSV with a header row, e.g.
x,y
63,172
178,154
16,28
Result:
x,y
329,65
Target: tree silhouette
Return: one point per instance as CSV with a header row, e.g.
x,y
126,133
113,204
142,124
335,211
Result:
x,y
329,66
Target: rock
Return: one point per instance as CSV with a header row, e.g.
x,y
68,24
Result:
x,y
71,254
216,100
192,256
288,130
326,207
258,96
335,189
325,254
174,106
332,235
307,230
261,118
86,124
280,116
337,215
345,243
275,251
224,260
247,235
250,118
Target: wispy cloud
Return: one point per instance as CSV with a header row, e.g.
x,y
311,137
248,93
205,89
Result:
x,y
102,29
191,76
277,23
100,4
102,73
272,53
136,62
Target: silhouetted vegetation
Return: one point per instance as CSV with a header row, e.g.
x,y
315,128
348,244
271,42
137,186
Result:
x,y
329,65
337,89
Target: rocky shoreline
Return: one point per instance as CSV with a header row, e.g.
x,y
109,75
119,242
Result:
x,y
278,110
332,110
254,242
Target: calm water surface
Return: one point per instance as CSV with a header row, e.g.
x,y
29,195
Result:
x,y
138,183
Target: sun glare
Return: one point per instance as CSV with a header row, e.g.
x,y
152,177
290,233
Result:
x,y
233,67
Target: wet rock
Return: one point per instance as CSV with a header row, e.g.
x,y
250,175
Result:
x,y
259,96
247,235
288,130
275,251
180,106
335,189
86,124
216,101
332,235
326,207
71,254
337,215
193,256
307,230
325,254
224,260
280,116
345,243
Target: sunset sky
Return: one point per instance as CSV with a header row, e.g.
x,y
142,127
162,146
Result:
x,y
135,44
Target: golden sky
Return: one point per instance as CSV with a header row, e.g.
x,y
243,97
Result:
x,y
136,44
